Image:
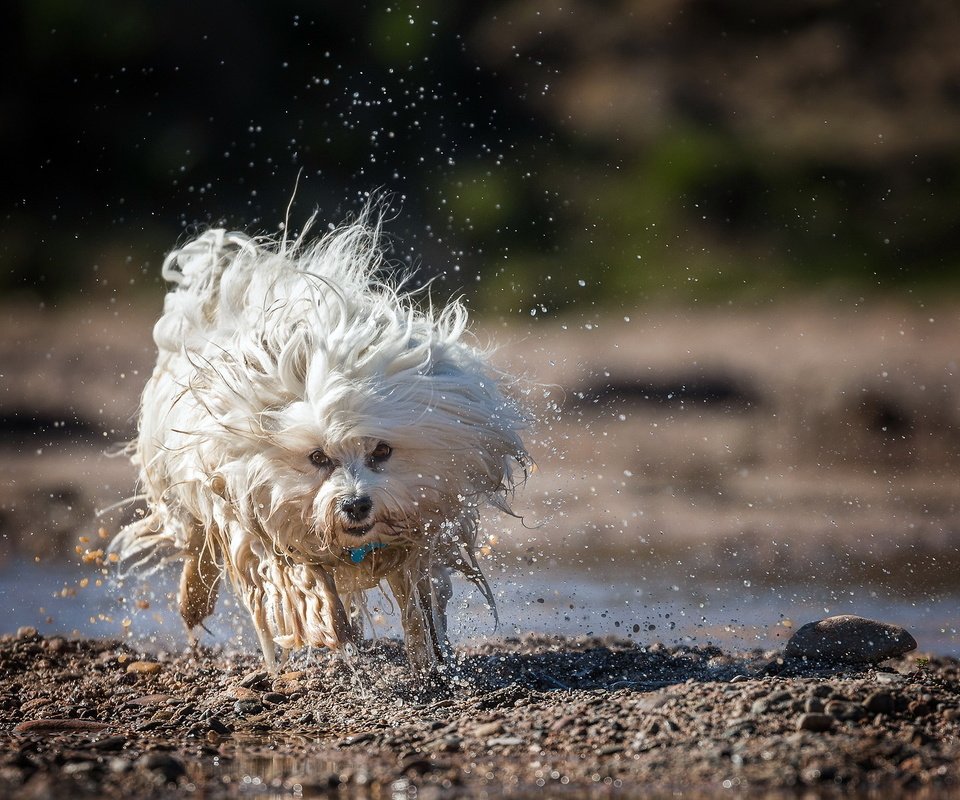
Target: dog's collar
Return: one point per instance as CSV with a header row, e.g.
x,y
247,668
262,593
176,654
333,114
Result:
x,y
357,554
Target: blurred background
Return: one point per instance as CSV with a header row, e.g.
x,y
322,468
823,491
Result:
x,y
718,240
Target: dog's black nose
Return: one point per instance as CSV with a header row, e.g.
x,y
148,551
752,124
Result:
x,y
356,509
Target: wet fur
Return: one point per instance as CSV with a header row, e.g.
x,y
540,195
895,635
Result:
x,y
271,350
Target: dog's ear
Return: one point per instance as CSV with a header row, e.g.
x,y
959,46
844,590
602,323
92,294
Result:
x,y
475,407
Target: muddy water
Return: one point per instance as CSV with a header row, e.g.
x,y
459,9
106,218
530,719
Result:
x,y
597,599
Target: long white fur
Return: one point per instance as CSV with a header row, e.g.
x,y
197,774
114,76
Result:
x,y
269,351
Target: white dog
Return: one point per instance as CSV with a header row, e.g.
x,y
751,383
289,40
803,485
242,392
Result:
x,y
309,431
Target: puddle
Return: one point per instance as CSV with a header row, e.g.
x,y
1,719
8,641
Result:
x,y
654,606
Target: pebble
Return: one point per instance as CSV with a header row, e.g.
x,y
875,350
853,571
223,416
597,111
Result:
x,y
218,726
32,705
167,765
79,768
488,729
247,708
118,765
890,678
448,744
144,667
771,701
562,722
813,705
849,639
148,700
59,726
879,702
504,741
109,743
610,749
253,679
27,632
817,723
359,738
839,709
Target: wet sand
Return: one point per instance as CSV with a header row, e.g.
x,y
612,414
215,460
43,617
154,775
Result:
x,y
568,716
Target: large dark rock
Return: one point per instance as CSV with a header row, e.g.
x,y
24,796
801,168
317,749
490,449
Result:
x,y
849,639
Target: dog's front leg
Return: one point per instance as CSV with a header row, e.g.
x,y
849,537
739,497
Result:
x,y
423,605
199,579
291,604
438,589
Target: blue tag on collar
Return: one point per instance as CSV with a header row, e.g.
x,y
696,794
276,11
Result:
x,y
357,554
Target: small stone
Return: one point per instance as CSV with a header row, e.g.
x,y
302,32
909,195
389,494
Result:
x,y
448,744
79,768
247,708
488,729
562,722
254,679
879,702
817,723
109,744
275,698
890,678
849,639
144,667
918,709
813,705
27,632
243,693
360,738
170,767
842,710
504,741
148,700
773,700
57,644
218,726
818,774
610,749
59,726
33,705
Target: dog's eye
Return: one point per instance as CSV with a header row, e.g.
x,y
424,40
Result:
x,y
320,460
381,453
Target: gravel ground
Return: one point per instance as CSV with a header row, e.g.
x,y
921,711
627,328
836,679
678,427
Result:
x,y
571,715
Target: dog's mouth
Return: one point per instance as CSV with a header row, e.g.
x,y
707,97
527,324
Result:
x,y
360,530
381,527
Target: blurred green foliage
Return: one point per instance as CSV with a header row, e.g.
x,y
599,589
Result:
x,y
535,156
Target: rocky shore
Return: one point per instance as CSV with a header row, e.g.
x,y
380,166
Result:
x,y
96,718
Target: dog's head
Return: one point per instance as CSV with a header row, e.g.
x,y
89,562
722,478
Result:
x,y
340,414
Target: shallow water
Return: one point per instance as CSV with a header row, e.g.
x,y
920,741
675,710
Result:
x,y
612,599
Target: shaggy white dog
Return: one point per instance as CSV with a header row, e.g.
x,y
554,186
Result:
x,y
309,432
